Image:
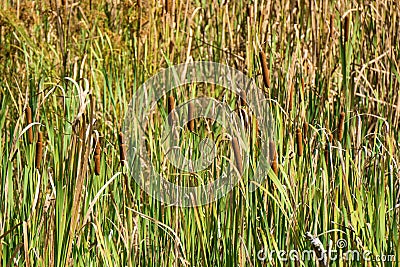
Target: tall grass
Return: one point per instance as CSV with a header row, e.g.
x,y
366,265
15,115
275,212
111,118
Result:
x,y
73,67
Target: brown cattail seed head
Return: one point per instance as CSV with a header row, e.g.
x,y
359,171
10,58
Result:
x,y
97,149
28,113
250,13
97,164
341,126
272,151
274,166
191,116
305,128
265,70
97,158
168,6
122,149
242,96
331,25
238,157
299,141
39,150
273,157
330,137
256,124
254,129
346,29
171,107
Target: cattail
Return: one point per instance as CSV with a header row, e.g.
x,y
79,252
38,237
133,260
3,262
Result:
x,y
168,6
122,148
290,97
346,29
331,26
171,107
250,13
274,166
273,156
82,129
97,158
238,157
39,150
254,123
242,97
305,129
191,116
265,70
341,126
272,150
299,141
171,46
28,114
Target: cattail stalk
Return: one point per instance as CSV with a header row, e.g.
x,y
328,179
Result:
x,y
171,107
28,114
290,97
265,70
242,112
238,157
330,138
191,116
341,127
122,149
303,86
299,141
39,150
97,158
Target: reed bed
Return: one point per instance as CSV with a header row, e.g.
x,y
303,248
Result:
x,y
70,200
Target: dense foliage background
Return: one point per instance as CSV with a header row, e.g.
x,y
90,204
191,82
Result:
x,y
76,64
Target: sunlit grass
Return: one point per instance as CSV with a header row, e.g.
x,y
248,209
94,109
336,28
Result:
x,y
77,66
